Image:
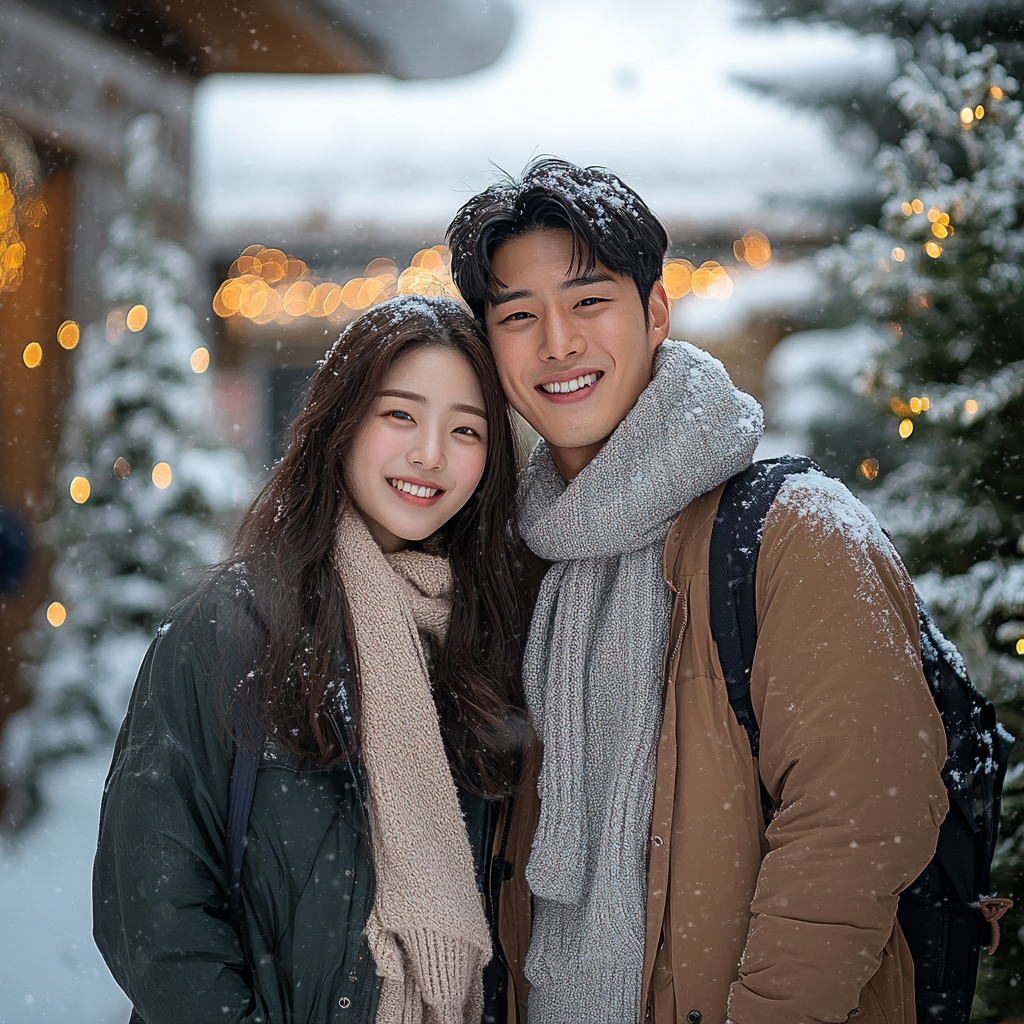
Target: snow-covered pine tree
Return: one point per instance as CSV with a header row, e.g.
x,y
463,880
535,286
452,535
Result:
x,y
144,490
942,277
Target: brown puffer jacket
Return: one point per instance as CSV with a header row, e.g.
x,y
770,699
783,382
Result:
x,y
796,925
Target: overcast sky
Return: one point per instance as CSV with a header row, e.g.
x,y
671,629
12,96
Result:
x,y
645,87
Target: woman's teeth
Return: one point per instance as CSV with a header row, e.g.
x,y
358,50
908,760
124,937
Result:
x,y
413,489
565,386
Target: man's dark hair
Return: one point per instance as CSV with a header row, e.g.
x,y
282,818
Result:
x,y
608,221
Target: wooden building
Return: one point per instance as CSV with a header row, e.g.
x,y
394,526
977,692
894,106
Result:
x,y
73,75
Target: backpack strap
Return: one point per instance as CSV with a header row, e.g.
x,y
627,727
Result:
x,y
732,569
243,785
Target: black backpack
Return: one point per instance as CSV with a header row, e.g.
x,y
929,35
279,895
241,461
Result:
x,y
945,914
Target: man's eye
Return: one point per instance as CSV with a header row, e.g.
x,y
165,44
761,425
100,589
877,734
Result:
x,y
592,301
521,315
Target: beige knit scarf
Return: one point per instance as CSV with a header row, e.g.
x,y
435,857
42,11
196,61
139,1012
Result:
x,y
427,929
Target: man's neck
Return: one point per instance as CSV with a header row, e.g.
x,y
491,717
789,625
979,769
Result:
x,y
570,462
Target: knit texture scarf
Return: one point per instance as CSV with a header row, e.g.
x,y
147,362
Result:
x,y
593,674
427,929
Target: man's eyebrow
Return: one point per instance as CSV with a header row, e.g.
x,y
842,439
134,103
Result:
x,y
503,297
584,280
579,281
411,396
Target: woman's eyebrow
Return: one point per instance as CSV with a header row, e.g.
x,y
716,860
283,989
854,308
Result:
x,y
411,396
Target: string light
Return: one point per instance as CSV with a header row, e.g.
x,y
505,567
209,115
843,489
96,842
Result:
x,y
971,407
917,206
753,248
80,490
33,355
906,208
1020,646
869,469
995,92
906,428
68,334
915,405
966,116
200,360
899,254
711,281
136,318
933,249
162,475
979,112
676,277
56,613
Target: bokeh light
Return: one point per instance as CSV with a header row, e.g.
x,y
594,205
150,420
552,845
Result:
x,y
121,468
162,475
711,281
907,209
200,360
753,249
17,211
68,334
56,613
917,206
995,92
966,116
899,254
80,490
136,318
676,277
33,354
906,428
1020,646
869,469
933,249
971,407
117,325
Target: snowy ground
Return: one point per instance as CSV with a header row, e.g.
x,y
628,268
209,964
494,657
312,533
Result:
x,y
50,970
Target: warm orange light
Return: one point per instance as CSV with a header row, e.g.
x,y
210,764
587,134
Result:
x,y
940,230
917,206
68,334
899,407
979,112
1020,646
369,291
995,92
56,613
906,428
711,281
225,302
299,298
121,468
966,116
907,209
33,354
971,407
869,469
254,296
899,254
926,403
754,249
136,318
676,278
933,249
80,490
915,405
200,360
162,475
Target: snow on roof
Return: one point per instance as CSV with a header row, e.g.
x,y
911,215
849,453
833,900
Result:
x,y
647,90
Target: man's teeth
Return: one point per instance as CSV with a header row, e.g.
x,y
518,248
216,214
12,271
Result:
x,y
565,386
419,492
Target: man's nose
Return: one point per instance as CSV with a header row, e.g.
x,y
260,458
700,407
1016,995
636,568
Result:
x,y
562,339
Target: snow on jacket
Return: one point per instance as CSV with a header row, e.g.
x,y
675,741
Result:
x,y
159,884
796,925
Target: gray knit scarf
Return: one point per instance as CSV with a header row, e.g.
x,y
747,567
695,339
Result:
x,y
593,674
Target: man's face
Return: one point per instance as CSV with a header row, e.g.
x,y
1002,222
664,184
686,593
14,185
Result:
x,y
572,348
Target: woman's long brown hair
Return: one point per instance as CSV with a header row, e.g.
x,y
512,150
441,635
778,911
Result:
x,y
303,623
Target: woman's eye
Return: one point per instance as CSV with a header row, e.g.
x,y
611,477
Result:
x,y
399,414
468,431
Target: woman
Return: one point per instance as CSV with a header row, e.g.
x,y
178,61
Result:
x,y
374,579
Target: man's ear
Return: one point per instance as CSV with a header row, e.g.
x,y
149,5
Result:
x,y
657,316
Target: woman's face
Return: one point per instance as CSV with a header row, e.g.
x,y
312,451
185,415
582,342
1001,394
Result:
x,y
422,451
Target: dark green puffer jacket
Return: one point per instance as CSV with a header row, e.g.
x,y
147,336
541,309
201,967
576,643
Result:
x,y
159,882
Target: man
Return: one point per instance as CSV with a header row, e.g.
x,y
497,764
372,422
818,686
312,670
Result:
x,y
657,891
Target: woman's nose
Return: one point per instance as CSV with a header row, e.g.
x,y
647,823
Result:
x,y
428,452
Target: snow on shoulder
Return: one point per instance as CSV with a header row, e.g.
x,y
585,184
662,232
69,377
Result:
x,y
830,509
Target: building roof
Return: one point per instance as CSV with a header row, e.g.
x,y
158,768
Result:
x,y
425,39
